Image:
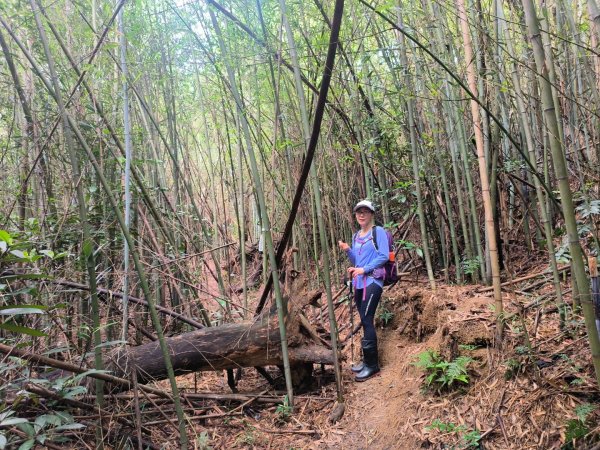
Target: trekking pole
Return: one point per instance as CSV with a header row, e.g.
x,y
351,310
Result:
x,y
351,300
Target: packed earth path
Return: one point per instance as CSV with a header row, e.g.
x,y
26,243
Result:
x,y
389,411
379,410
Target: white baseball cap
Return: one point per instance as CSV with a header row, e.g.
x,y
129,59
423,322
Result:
x,y
364,204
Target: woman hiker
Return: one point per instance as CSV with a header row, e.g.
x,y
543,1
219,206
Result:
x,y
367,278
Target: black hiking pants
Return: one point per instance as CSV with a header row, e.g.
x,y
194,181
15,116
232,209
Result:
x,y
366,304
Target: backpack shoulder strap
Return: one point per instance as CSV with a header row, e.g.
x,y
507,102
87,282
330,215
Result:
x,y
374,233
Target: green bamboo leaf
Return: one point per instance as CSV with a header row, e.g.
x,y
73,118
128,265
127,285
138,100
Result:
x,y
40,423
87,248
46,419
13,421
19,310
74,392
89,372
70,426
26,428
5,237
48,253
27,444
6,414
65,416
11,326
5,307
111,343
19,254
22,309
24,276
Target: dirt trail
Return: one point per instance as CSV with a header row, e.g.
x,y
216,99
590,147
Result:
x,y
379,409
385,412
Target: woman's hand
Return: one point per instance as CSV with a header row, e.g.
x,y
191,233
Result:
x,y
355,271
343,246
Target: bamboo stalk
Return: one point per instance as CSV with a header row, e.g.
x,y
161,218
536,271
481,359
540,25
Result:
x,y
127,182
525,124
490,226
414,151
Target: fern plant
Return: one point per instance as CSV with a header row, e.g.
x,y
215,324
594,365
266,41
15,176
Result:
x,y
284,410
442,374
578,428
466,437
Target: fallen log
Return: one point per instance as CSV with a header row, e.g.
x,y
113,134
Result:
x,y
75,368
246,344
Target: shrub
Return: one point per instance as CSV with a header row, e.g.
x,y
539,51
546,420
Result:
x,y
441,374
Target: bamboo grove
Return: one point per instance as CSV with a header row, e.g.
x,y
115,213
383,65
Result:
x,y
145,144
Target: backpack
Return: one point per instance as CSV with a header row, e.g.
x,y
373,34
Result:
x,y
390,272
390,276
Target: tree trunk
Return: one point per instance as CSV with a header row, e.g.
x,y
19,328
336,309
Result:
x,y
246,344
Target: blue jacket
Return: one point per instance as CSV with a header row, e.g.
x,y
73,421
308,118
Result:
x,y
362,253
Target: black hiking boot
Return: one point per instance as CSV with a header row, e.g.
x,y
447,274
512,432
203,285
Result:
x,y
371,364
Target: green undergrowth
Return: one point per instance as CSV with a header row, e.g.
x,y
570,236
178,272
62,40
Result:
x,y
442,375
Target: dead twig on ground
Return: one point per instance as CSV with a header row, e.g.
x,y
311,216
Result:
x,y
525,278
